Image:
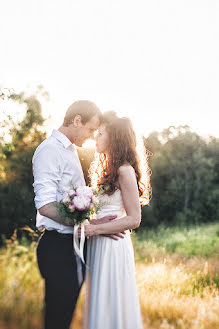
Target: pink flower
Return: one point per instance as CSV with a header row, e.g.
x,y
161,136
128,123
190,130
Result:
x,y
81,203
85,191
71,193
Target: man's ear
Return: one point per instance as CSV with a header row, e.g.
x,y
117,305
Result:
x,y
77,121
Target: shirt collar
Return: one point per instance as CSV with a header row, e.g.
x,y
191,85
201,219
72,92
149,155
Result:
x,y
62,138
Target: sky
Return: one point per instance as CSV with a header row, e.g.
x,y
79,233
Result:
x,y
156,61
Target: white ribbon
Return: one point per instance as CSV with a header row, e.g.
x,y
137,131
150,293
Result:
x,y
79,249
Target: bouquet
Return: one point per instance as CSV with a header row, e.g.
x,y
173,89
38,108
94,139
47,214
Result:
x,y
78,204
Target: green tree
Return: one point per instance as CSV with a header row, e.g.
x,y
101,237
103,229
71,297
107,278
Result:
x,y
16,191
183,177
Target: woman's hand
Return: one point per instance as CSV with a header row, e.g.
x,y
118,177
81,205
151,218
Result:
x,y
89,230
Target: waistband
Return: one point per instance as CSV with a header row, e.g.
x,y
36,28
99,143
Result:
x,y
59,235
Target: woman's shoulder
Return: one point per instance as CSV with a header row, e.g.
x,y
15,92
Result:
x,y
126,177
125,169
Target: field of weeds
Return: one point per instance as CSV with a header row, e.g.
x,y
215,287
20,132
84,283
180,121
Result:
x,y
177,272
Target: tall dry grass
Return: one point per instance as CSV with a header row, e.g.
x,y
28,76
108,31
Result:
x,y
175,291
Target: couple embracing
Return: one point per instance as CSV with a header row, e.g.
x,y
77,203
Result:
x,y
111,298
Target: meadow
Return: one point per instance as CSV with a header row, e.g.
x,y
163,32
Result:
x,y
177,271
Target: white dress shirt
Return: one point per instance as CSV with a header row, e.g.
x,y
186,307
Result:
x,y
56,167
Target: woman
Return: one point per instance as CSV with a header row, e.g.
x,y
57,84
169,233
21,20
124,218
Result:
x,y
112,297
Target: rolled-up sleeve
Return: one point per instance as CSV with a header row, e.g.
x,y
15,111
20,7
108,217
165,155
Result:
x,y
47,174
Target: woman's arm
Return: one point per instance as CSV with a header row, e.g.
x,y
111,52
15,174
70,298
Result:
x,y
130,195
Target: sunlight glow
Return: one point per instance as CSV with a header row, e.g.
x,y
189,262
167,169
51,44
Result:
x,y
154,61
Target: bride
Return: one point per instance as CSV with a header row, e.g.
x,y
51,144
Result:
x,y
112,300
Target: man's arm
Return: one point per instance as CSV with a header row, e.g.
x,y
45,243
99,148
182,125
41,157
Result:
x,y
49,210
47,171
105,220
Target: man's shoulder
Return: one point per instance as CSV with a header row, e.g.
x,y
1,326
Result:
x,y
47,146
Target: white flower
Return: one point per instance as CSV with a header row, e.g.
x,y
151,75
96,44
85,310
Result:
x,y
81,203
85,191
66,199
95,200
92,206
71,208
71,193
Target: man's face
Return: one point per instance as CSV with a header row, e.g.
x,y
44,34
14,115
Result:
x,y
87,130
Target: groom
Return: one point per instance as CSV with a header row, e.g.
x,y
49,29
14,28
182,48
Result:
x,y
55,166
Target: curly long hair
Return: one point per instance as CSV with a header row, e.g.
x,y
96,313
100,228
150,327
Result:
x,y
122,149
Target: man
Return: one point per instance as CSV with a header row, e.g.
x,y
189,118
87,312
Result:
x,y
55,167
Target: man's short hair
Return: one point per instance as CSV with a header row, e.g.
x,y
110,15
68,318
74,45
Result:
x,y
85,109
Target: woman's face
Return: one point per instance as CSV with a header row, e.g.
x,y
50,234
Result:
x,y
102,140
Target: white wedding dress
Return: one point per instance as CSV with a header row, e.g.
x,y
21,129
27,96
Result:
x,y
111,298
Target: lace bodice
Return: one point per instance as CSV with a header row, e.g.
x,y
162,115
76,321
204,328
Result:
x,y
111,205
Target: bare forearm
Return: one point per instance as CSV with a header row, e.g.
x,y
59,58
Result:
x,y
50,210
118,225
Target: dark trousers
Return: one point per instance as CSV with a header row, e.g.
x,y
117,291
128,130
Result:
x,y
58,267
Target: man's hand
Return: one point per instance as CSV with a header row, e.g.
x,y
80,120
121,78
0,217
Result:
x,y
115,236
88,232
107,219
102,220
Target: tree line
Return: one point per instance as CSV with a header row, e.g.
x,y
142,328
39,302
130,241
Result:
x,y
185,171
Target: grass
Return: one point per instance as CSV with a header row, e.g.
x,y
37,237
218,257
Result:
x,y
176,270
200,241
169,300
